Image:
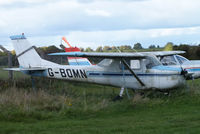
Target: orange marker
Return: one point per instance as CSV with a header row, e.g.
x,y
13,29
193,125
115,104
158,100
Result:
x,y
65,40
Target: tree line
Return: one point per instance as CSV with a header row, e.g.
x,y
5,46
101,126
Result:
x,y
122,48
192,52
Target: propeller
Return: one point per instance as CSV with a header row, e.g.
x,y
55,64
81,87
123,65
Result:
x,y
186,74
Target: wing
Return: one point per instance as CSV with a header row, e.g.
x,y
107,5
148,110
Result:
x,y
164,53
101,55
119,55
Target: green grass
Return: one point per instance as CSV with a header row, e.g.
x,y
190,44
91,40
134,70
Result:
x,y
71,107
180,115
16,75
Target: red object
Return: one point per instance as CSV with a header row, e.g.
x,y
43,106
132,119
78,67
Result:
x,y
72,49
63,38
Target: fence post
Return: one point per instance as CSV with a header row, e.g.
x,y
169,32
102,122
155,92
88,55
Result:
x,y
10,65
10,72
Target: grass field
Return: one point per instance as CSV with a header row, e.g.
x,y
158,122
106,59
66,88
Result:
x,y
74,108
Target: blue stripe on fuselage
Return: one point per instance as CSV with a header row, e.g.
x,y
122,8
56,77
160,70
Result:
x,y
164,68
167,68
113,74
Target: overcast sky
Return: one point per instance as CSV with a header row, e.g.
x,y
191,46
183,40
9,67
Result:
x,y
91,23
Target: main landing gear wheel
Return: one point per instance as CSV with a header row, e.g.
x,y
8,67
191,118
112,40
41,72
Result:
x,y
119,97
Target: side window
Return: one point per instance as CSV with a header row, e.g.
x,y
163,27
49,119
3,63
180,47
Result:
x,y
135,64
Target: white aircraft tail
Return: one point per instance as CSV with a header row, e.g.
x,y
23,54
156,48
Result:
x,y
26,53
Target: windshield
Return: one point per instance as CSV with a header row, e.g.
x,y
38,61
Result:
x,y
181,59
152,61
168,60
105,62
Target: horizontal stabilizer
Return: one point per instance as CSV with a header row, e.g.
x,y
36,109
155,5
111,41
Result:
x,y
25,69
12,69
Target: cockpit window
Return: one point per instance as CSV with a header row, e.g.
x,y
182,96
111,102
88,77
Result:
x,y
151,61
181,59
105,62
168,60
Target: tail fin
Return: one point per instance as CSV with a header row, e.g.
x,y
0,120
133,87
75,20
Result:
x,y
26,54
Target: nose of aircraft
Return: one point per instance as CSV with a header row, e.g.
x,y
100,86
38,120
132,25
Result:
x,y
175,70
193,68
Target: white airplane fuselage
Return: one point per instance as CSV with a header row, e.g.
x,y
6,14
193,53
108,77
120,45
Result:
x,y
136,71
155,78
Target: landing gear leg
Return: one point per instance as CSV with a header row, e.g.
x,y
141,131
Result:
x,y
119,97
33,84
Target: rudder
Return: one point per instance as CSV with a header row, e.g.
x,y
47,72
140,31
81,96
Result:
x,y
25,52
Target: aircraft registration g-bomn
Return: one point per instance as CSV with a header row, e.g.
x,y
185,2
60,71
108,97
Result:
x,y
138,71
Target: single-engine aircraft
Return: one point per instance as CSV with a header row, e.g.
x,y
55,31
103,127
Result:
x,y
138,71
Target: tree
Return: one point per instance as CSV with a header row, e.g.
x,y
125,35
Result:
x,y
169,46
186,48
125,47
137,46
99,49
50,49
82,49
114,49
198,51
88,49
152,46
106,48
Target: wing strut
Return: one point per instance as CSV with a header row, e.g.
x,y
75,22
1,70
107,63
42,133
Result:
x,y
132,72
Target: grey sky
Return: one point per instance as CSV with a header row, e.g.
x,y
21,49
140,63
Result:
x,y
106,22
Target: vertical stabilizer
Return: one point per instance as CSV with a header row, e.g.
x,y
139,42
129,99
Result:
x,y
25,52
